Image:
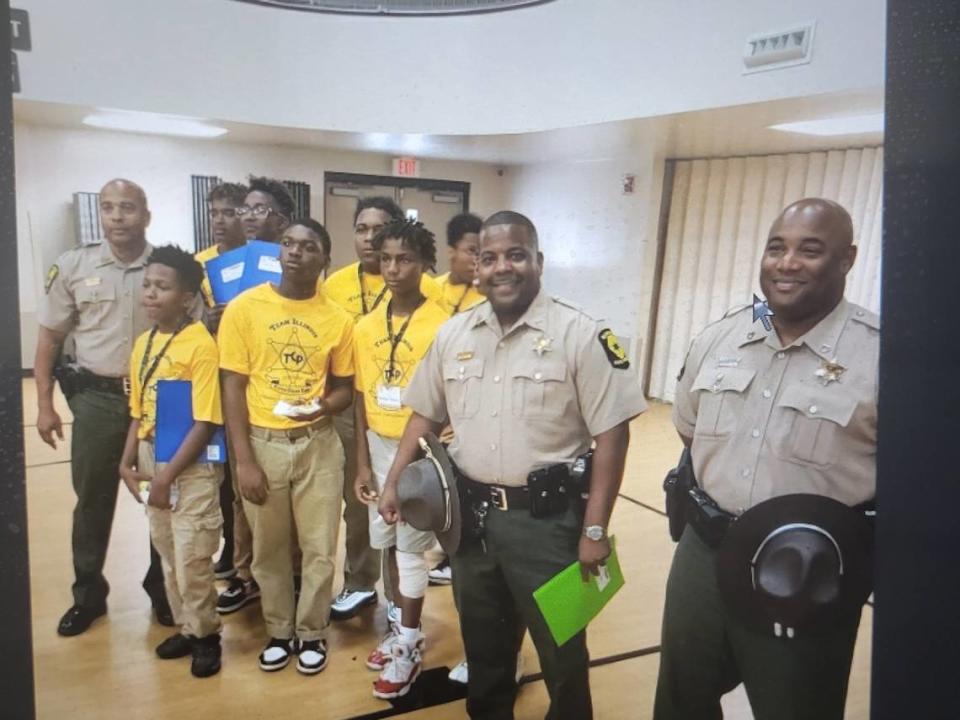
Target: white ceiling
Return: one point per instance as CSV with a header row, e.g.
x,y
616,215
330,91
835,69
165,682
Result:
x,y
738,130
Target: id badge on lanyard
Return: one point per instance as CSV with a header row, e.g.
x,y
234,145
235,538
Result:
x,y
388,397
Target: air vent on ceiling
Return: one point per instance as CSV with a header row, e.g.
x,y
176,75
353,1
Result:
x,y
770,51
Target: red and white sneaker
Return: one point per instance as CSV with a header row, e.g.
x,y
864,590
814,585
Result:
x,y
380,656
401,672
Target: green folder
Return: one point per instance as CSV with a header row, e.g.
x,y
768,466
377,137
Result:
x,y
568,603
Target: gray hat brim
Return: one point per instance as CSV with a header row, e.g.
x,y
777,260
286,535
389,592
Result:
x,y
428,497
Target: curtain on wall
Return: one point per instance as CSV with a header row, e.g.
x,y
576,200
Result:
x,y
720,212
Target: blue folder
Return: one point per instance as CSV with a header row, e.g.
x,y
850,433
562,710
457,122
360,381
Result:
x,y
233,272
262,264
225,273
174,420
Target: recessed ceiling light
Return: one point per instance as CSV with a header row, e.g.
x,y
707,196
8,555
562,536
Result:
x,y
153,124
848,125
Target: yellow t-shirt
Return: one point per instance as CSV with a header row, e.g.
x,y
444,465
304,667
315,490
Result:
x,y
343,287
457,298
192,355
372,360
203,257
286,347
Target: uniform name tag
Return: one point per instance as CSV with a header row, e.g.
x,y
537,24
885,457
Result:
x,y
388,397
92,281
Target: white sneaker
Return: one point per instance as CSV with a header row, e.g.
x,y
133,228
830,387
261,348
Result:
x,y
442,574
381,654
461,675
401,672
393,613
349,602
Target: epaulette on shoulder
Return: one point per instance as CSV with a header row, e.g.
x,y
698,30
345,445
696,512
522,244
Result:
x,y
867,317
735,310
573,306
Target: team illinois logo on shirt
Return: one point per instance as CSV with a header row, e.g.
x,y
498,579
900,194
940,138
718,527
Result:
x,y
294,345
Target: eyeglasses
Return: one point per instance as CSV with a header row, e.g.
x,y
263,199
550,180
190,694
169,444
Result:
x,y
260,210
225,213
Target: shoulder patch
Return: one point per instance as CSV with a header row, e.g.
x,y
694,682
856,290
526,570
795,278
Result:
x,y
613,349
52,275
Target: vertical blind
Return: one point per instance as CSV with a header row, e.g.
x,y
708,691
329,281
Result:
x,y
200,187
86,217
720,212
300,191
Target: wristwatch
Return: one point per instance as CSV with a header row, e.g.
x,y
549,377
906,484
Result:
x,y
595,532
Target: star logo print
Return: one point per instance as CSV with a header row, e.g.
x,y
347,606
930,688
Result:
x,y
293,359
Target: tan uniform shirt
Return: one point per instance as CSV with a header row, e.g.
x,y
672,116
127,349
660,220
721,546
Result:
x,y
768,420
96,297
527,398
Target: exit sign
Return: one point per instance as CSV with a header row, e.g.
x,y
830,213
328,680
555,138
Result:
x,y
406,167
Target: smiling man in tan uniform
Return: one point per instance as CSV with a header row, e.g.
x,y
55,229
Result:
x,y
528,382
766,414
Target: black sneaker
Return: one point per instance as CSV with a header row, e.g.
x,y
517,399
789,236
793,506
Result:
x,y
311,656
206,656
175,646
224,569
238,593
442,573
275,655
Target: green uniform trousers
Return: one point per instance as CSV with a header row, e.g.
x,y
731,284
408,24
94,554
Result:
x,y
494,594
100,423
706,654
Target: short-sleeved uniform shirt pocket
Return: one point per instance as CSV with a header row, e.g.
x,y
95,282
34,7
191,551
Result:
x,y
537,388
94,302
815,418
722,392
462,382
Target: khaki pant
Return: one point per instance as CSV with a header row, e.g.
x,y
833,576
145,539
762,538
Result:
x,y
187,538
362,564
305,482
242,538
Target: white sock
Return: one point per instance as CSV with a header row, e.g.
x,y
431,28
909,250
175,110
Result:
x,y
409,636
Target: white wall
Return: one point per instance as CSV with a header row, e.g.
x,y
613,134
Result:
x,y
53,163
599,244
559,64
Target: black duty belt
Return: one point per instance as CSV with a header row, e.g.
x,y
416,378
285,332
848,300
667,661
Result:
x,y
87,380
501,497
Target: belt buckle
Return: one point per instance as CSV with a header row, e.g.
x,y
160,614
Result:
x,y
126,385
498,498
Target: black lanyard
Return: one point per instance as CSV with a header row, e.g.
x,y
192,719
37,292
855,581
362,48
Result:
x,y
456,308
145,374
395,339
363,295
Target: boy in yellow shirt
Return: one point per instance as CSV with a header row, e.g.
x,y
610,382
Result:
x,y
457,289
286,359
186,534
389,343
222,203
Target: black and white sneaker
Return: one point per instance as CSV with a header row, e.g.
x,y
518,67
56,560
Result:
x,y
441,574
238,593
349,602
223,569
311,656
275,655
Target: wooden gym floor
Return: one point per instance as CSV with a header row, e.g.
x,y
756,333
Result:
x,y
111,670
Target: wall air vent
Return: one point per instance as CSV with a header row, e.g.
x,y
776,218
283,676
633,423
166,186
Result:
x,y
774,50
398,7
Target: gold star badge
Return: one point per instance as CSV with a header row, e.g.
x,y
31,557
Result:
x,y
542,345
830,371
